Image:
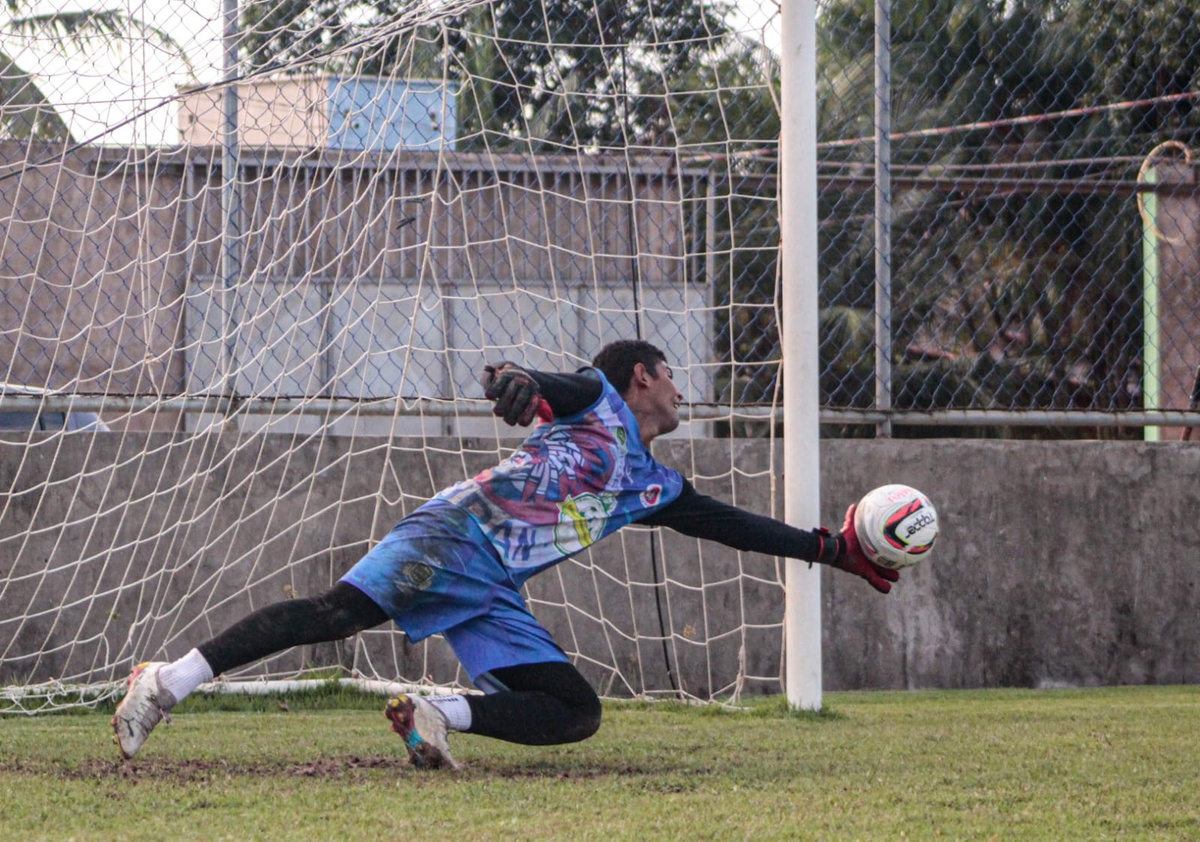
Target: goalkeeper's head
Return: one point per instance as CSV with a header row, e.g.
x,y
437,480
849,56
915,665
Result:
x,y
617,361
639,372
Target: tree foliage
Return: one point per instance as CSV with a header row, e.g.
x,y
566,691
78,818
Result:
x,y
1036,292
27,112
568,72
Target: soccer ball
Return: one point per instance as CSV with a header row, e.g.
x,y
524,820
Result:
x,y
897,526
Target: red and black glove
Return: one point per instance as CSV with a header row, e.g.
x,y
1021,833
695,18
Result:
x,y
843,552
517,395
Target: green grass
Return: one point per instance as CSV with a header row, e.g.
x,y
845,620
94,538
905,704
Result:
x,y
1019,765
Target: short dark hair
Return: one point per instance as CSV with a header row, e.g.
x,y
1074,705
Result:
x,y
616,361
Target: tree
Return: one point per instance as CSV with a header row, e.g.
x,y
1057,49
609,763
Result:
x,y
1036,293
26,111
1143,51
583,74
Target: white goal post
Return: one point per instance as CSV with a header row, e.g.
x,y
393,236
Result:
x,y
251,278
801,452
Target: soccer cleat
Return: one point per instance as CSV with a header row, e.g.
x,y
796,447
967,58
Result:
x,y
424,729
146,703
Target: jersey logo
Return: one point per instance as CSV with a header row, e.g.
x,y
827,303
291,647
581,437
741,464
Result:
x,y
580,521
651,495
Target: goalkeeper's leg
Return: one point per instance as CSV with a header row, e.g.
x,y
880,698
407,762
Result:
x,y
156,687
535,704
539,704
532,693
338,613
545,703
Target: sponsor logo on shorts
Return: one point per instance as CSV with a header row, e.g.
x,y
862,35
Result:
x,y
417,574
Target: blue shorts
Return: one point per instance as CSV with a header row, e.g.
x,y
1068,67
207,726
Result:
x,y
436,572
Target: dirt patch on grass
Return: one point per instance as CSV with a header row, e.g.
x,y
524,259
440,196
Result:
x,y
193,771
332,767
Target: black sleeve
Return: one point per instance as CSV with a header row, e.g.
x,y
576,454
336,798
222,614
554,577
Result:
x,y
568,394
700,516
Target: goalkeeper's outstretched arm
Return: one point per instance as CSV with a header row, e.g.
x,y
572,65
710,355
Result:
x,y
701,516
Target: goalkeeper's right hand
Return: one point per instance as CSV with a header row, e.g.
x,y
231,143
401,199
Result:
x,y
852,560
516,394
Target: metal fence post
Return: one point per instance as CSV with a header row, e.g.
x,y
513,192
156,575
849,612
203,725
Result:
x,y
231,195
883,215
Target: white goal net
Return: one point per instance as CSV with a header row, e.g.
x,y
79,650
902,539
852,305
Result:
x,y
254,257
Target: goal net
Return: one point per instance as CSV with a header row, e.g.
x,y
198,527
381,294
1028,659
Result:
x,y
254,262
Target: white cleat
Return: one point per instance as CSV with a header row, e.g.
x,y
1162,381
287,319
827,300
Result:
x,y
424,729
145,705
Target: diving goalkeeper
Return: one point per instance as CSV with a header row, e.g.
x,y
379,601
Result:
x,y
456,565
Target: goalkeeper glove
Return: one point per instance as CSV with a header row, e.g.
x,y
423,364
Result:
x,y
516,394
844,552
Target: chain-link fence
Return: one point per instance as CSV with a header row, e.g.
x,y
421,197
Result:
x,y
1014,182
1035,161
238,204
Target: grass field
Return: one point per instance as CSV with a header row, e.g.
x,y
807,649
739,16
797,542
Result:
x,y
1055,765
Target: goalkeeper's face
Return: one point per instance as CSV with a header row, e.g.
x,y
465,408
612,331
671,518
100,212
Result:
x,y
664,398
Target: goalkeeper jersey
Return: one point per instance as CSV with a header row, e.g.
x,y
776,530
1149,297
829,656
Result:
x,y
573,481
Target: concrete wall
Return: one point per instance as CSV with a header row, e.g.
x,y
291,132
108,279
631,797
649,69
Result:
x,y
113,283
1071,563
1059,563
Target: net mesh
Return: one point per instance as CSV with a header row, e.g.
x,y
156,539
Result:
x,y
251,283
253,256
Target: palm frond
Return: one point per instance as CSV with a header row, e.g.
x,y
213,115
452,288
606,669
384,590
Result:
x,y
91,28
25,112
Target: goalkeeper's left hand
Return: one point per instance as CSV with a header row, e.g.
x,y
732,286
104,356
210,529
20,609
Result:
x,y
516,394
852,560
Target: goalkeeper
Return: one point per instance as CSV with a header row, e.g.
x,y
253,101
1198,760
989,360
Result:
x,y
456,565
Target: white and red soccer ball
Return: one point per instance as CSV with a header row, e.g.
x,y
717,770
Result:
x,y
897,526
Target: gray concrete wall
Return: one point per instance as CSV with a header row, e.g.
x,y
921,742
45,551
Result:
x,y
1059,563
1071,563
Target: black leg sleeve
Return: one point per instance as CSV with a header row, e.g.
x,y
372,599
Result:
x,y
338,613
539,705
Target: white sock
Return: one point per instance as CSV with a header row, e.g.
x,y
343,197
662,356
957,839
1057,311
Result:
x,y
455,709
180,678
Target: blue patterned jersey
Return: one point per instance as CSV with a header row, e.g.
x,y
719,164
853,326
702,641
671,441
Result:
x,y
574,481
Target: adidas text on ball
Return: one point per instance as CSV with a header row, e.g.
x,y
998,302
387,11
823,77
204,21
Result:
x,y
897,526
